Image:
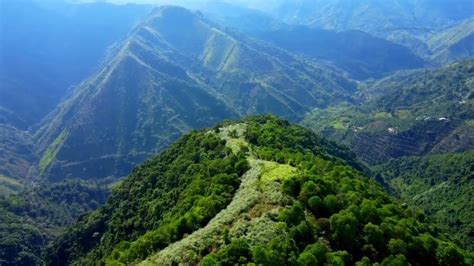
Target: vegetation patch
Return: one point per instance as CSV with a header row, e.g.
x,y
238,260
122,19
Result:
x,y
50,154
273,171
442,185
339,125
9,185
295,199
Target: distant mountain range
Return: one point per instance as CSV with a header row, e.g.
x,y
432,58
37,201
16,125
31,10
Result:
x,y
165,81
413,24
359,54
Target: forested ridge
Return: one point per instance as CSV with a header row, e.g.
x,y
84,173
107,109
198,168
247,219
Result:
x,y
307,206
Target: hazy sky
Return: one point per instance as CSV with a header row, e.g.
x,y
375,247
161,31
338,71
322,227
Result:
x,y
255,4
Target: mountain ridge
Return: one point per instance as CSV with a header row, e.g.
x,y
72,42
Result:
x,y
166,84
267,170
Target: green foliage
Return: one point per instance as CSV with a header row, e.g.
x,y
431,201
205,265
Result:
x,y
442,185
168,197
344,228
50,154
363,220
449,254
32,218
314,254
397,246
237,251
315,204
294,215
17,156
398,260
406,114
188,202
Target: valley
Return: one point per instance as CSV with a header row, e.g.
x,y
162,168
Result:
x,y
218,132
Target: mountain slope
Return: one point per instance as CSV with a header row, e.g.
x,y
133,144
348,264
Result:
x,y
30,220
259,190
163,82
443,185
17,156
49,46
356,52
409,113
454,43
410,23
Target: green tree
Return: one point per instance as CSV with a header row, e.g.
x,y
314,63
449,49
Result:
x,y
344,228
315,204
369,212
373,235
449,254
363,262
318,250
331,204
294,215
237,251
307,259
397,246
308,190
398,260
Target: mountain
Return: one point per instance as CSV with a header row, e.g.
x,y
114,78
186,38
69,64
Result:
x,y
454,43
410,23
409,113
175,72
387,17
358,53
259,190
46,47
443,185
239,17
17,156
378,17
30,220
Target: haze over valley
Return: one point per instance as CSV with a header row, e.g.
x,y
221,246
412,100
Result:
x,y
208,132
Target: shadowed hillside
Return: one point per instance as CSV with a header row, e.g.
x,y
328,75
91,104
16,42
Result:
x,y
165,81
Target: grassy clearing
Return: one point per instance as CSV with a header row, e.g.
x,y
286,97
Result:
x,y
274,171
338,125
404,114
383,115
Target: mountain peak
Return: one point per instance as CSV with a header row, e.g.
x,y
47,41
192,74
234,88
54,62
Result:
x,y
176,72
176,13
